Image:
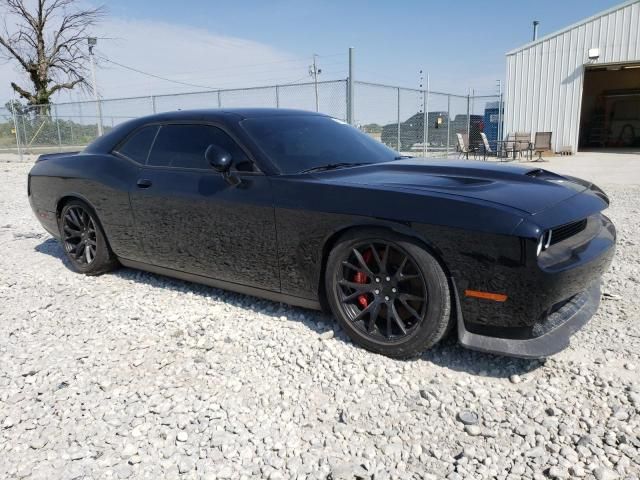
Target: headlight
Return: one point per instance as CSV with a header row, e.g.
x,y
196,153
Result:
x,y
543,242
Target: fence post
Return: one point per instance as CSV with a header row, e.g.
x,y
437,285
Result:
x,y
426,109
398,119
469,117
153,104
24,130
15,127
99,107
55,113
448,123
277,96
500,120
350,118
348,101
424,124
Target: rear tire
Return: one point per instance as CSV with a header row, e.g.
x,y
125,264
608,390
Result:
x,y
83,239
389,294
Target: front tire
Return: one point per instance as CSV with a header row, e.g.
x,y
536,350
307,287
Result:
x,y
83,239
387,292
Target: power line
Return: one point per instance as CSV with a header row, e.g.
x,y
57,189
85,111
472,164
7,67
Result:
x,y
233,83
154,75
159,77
263,82
217,78
301,60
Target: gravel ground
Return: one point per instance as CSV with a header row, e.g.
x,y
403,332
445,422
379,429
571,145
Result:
x,y
133,375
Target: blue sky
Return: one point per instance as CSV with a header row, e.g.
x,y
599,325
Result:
x,y
222,44
461,43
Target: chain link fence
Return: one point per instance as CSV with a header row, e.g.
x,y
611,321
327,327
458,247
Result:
x,y
414,122
424,123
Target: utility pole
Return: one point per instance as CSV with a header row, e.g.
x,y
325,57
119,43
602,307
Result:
x,y
92,41
314,71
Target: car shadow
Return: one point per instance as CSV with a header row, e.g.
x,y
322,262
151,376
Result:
x,y
447,354
52,247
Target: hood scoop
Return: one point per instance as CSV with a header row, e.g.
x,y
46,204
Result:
x,y
543,174
440,181
525,189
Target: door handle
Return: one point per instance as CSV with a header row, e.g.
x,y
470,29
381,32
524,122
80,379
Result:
x,y
144,183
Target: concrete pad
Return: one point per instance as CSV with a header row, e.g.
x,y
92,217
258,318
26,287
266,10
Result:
x,y
606,168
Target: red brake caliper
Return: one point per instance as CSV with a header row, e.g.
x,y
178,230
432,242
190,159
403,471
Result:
x,y
361,277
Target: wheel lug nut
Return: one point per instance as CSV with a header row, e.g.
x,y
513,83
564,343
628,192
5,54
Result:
x,y
377,280
388,278
377,292
394,290
386,298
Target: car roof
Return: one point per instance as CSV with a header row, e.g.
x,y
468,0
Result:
x,y
269,112
108,141
228,113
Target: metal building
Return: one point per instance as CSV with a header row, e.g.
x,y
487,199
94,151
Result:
x,y
581,83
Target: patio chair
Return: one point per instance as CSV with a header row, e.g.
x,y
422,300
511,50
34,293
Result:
x,y
523,144
542,144
463,145
486,148
506,147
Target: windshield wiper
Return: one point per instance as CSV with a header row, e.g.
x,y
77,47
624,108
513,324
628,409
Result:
x,y
332,166
400,157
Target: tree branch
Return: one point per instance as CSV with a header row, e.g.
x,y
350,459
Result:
x,y
22,92
67,86
21,60
46,41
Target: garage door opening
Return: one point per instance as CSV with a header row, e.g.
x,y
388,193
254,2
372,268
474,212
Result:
x,y
610,115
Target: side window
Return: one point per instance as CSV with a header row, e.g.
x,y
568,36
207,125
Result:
x,y
184,146
138,145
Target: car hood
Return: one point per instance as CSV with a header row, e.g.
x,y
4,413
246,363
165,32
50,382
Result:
x,y
530,190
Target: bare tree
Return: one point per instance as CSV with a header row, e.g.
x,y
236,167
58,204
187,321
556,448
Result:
x,y
47,41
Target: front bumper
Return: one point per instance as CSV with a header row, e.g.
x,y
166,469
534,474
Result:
x,y
560,326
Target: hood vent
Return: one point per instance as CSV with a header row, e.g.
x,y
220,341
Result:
x,y
544,174
538,172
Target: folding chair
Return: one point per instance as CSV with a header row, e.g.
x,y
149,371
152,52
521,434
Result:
x,y
463,145
486,148
523,144
542,144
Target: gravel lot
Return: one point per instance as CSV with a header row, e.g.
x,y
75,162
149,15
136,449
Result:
x,y
134,375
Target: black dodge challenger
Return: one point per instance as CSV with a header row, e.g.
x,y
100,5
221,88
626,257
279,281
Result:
x,y
302,208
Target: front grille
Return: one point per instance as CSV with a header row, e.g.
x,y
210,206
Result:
x,y
563,232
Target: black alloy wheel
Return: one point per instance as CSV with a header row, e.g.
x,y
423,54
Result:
x,y
389,294
83,239
79,235
382,291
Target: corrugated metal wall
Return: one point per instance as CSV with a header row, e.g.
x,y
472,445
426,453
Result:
x,y
544,78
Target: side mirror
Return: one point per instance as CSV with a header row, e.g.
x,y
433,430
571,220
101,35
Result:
x,y
218,158
221,161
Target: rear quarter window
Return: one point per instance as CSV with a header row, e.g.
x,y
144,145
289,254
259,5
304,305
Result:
x,y
138,145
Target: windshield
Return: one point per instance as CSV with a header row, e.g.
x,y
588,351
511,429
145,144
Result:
x,y
304,142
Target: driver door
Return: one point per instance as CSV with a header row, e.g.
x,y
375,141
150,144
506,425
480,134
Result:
x,y
192,220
